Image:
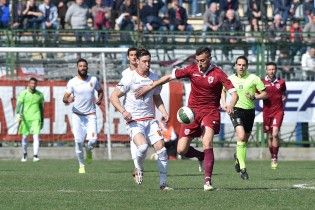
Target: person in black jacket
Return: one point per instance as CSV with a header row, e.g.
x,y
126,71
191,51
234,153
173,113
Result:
x,y
178,19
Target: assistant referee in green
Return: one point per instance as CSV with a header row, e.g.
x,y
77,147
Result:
x,y
249,88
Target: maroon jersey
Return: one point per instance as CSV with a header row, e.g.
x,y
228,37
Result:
x,y
206,87
273,104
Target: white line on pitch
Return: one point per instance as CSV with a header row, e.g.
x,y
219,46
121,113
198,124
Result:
x,y
304,186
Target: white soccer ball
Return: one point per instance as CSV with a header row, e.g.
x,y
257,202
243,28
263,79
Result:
x,y
185,115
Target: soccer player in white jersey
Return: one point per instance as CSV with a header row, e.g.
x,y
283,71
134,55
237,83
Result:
x,y
131,57
139,114
80,90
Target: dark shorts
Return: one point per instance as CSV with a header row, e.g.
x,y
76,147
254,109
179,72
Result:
x,y
243,117
210,119
275,121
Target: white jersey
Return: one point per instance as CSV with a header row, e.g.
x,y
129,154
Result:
x,y
140,108
126,71
83,91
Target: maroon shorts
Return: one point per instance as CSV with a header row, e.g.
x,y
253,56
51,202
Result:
x,y
275,121
195,129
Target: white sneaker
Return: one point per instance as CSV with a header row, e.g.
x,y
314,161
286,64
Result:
x,y
207,186
164,186
36,159
201,166
24,159
138,177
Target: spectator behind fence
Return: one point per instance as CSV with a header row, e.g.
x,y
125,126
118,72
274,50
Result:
x,y
149,16
127,20
226,5
178,19
309,31
62,6
296,38
253,36
194,7
284,64
32,17
232,27
5,19
276,35
211,20
308,9
101,20
18,16
282,7
50,21
308,63
254,10
77,15
294,5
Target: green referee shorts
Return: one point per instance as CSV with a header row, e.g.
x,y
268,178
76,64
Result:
x,y
29,127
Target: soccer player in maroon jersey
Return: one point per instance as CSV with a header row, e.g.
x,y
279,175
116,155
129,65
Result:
x,y
273,109
207,81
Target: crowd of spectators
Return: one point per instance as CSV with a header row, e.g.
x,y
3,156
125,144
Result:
x,y
291,21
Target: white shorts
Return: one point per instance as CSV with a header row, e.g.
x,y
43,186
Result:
x,y
84,126
149,128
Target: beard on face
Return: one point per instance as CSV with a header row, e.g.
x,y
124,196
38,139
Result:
x,y
82,73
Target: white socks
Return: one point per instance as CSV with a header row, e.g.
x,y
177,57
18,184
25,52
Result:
x,y
79,152
162,164
141,155
35,144
24,144
133,150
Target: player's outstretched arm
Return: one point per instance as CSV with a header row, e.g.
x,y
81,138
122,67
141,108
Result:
x,y
143,90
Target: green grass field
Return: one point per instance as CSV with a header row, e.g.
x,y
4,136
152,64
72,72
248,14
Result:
x,y
55,184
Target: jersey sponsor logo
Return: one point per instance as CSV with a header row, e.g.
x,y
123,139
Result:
x,y
196,75
120,85
267,85
159,132
278,86
186,131
210,79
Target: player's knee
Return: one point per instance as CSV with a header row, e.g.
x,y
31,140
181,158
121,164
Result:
x,y
92,142
142,149
181,151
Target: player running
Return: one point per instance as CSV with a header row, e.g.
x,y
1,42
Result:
x,y
273,110
246,85
80,91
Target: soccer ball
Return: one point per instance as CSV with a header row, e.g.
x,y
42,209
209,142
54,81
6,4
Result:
x,y
185,115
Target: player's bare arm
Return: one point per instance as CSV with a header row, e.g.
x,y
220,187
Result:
x,y
144,90
223,99
233,101
68,98
114,99
98,101
160,106
262,95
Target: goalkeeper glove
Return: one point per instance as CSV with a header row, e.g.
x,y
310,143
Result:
x,y
19,117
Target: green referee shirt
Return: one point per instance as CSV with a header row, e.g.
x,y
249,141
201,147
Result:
x,y
32,103
249,83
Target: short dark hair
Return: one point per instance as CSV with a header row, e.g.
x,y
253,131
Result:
x,y
82,60
243,57
33,79
271,64
131,49
201,50
142,52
